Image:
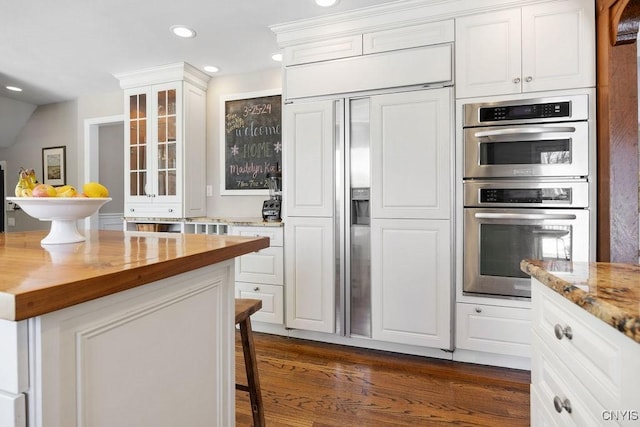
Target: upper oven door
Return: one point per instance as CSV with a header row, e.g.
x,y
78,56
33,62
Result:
x,y
537,150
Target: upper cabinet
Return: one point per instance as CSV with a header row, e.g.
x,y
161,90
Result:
x,y
165,142
541,47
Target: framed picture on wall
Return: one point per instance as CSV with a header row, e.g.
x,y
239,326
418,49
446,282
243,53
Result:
x,y
54,165
250,141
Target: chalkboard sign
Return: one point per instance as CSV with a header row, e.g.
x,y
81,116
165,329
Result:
x,y
252,141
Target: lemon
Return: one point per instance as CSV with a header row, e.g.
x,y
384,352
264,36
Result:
x,y
95,189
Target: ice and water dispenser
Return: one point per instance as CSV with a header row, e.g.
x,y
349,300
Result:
x,y
360,206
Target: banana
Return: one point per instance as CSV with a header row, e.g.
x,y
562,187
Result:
x,y
31,178
23,184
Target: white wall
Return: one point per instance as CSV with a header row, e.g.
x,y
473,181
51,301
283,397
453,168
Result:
x,y
50,125
232,206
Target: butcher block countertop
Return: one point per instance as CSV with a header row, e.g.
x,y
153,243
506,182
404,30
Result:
x,y
611,292
36,280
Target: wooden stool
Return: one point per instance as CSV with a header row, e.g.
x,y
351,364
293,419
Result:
x,y
244,309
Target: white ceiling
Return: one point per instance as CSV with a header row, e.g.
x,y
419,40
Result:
x,y
63,49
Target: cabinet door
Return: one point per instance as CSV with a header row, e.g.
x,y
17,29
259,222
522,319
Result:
x,y
411,151
309,274
166,156
308,158
137,113
488,54
411,282
558,45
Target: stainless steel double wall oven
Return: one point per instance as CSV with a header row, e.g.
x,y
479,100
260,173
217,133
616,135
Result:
x,y
526,189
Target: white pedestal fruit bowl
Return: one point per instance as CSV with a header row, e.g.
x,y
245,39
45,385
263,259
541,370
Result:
x,y
63,212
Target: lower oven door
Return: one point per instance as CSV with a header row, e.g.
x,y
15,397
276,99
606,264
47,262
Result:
x,y
496,240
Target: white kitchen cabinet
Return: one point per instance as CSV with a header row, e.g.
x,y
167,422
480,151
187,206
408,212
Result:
x,y
493,329
334,48
260,275
165,344
411,152
165,142
546,46
308,158
579,361
309,274
411,282
407,37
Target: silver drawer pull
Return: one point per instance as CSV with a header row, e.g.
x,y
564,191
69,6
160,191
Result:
x,y
563,332
478,310
256,289
560,404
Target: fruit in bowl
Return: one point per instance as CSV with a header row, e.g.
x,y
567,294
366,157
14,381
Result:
x,y
62,205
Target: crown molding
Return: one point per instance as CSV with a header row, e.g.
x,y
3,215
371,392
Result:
x,y
179,71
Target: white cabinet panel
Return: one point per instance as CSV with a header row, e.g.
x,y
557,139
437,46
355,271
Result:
x,y
411,145
488,54
273,233
308,159
408,67
272,297
336,48
492,329
309,274
411,282
263,266
558,45
408,37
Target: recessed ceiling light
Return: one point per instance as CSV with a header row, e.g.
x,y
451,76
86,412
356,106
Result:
x,y
326,3
182,31
211,69
13,88
277,57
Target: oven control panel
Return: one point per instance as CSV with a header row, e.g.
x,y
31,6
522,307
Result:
x,y
525,195
530,111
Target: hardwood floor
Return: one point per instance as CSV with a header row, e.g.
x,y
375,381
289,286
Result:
x,y
305,383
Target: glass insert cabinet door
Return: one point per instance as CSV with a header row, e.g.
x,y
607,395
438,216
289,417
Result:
x,y
166,143
138,144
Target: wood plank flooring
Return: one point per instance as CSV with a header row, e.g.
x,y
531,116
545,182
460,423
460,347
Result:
x,y
306,383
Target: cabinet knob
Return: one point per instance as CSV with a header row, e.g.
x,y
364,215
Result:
x,y
560,404
528,79
256,289
132,210
170,210
563,332
516,80
478,310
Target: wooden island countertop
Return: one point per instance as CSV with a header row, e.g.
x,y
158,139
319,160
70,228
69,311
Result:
x,y
36,280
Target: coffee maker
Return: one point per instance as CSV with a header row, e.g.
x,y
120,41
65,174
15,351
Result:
x,y
271,207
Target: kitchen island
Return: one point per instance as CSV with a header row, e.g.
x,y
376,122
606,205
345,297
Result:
x,y
123,329
586,343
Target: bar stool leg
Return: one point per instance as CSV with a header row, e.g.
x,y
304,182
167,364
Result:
x,y
251,368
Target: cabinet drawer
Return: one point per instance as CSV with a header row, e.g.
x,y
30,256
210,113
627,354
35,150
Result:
x,y
337,48
152,210
500,330
592,357
274,234
408,37
272,301
264,266
551,378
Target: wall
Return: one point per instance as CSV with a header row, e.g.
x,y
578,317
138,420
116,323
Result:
x,y
232,206
111,149
50,125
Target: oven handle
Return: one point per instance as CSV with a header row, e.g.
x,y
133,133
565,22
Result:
x,y
524,131
488,215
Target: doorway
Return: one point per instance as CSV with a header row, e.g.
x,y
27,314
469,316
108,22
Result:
x,y
104,145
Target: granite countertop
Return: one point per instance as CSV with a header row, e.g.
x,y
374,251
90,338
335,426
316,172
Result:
x,y
609,291
38,279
